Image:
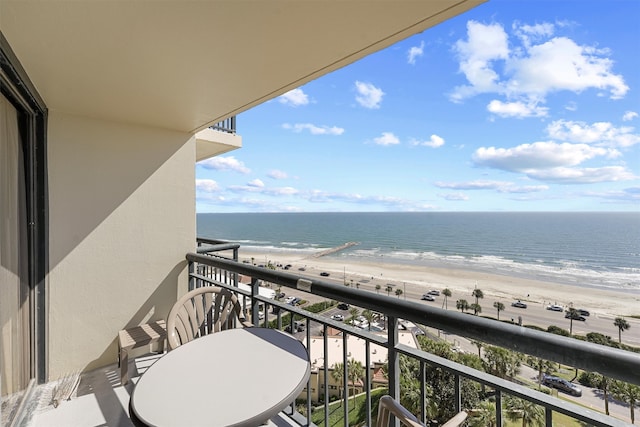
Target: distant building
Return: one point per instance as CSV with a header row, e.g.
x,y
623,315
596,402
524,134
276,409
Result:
x,y
356,349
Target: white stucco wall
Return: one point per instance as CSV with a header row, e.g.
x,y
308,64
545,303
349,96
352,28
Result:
x,y
121,219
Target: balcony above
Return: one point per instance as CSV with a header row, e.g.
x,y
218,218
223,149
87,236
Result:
x,y
184,66
218,139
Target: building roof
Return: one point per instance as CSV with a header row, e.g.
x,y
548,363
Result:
x,y
356,349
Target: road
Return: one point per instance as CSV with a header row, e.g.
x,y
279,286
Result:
x,y
535,314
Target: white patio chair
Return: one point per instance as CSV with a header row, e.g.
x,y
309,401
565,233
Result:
x,y
201,312
388,406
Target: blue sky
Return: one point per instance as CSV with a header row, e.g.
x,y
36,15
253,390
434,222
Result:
x,y
513,106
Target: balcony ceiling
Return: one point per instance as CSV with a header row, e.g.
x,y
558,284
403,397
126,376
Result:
x,y
183,65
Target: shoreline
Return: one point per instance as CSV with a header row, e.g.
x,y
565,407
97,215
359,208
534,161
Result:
x,y
418,279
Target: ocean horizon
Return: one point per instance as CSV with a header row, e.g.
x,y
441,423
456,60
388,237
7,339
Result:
x,y
586,249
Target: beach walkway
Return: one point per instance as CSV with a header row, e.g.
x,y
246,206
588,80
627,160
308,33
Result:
x,y
334,250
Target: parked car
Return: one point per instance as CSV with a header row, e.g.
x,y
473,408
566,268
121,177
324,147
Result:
x,y
343,306
280,295
338,317
518,304
434,292
562,385
575,316
289,299
324,274
583,312
555,307
428,297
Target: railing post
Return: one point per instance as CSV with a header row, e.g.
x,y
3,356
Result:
x,y
457,392
325,369
498,408
345,379
423,392
548,414
254,301
192,280
394,358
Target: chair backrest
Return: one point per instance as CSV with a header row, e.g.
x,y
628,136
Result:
x,y
388,406
201,312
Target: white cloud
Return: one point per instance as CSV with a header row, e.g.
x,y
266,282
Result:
x,y
224,164
516,109
313,129
277,174
387,138
434,141
257,183
500,186
602,134
455,197
533,68
529,33
485,44
207,185
294,98
561,64
583,176
368,96
629,115
415,52
631,194
539,155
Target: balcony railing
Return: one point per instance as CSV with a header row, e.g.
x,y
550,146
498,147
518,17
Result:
x,y
610,362
227,125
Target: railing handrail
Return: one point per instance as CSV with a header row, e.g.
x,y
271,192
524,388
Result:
x,y
611,362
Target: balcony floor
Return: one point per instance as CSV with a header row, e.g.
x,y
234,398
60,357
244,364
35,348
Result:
x,y
99,399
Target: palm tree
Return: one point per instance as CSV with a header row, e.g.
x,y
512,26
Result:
x,y
478,344
398,292
378,288
603,384
530,413
354,313
572,312
628,393
462,305
498,306
389,288
355,372
338,375
447,293
369,315
485,416
476,308
542,365
622,325
478,294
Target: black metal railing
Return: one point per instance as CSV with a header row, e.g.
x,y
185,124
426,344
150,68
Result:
x,y
610,362
227,125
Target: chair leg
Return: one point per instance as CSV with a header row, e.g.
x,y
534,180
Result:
x,y
124,366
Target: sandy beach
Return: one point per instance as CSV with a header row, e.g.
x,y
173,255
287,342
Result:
x,y
416,280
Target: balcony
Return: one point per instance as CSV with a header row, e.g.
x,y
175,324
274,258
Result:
x,y
387,352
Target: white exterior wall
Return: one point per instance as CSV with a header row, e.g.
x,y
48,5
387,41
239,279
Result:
x,y
121,219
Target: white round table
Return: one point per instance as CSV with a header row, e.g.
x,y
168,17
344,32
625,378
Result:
x,y
237,377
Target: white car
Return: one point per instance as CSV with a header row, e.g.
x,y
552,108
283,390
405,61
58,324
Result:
x,y
338,317
554,307
289,299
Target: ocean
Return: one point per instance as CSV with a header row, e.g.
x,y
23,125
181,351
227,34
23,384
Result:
x,y
599,250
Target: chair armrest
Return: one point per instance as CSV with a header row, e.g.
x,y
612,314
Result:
x,y
457,420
